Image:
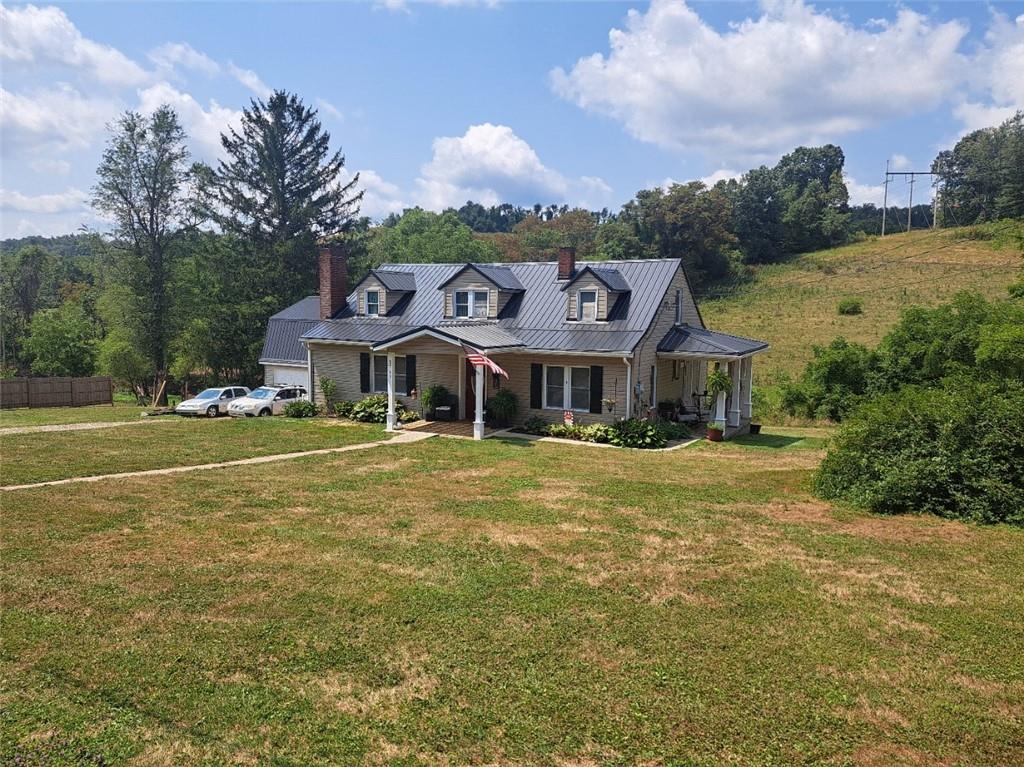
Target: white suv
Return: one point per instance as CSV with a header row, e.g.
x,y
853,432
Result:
x,y
267,400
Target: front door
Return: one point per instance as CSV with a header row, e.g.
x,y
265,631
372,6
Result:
x,y
470,393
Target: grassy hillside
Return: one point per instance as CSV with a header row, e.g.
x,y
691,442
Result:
x,y
793,306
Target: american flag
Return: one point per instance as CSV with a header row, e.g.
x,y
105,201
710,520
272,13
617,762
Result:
x,y
477,357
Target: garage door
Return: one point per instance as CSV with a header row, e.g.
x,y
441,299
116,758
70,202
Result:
x,y
281,375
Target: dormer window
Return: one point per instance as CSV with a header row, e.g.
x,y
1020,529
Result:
x,y
587,306
471,304
373,303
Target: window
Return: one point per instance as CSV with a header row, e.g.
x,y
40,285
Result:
x,y
373,303
566,388
586,306
380,374
471,303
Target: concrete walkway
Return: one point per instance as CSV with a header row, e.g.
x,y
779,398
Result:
x,y
75,426
400,439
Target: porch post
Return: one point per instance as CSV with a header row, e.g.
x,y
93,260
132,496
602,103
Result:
x,y
392,420
719,403
478,421
746,403
736,374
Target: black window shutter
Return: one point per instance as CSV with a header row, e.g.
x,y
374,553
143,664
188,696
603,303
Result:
x,y
410,372
536,381
364,372
596,388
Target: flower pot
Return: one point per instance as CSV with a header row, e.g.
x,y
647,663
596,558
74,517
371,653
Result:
x,y
715,435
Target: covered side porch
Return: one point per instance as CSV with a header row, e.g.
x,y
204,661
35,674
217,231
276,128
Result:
x,y
685,358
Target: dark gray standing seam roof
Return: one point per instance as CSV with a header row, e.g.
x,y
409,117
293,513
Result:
x,y
395,280
612,278
285,328
684,339
536,317
502,276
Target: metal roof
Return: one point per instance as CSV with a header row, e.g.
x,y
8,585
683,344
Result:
x,y
536,317
611,278
482,335
685,339
501,276
395,280
282,343
306,309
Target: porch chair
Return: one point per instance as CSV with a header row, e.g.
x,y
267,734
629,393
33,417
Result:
x,y
449,411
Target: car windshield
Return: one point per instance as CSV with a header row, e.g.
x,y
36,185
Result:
x,y
208,394
262,393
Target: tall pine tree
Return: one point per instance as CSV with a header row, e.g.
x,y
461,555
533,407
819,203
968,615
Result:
x,y
279,189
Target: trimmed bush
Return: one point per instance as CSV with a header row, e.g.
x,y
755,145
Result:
x,y
502,406
343,408
851,306
301,408
636,433
374,409
955,451
536,425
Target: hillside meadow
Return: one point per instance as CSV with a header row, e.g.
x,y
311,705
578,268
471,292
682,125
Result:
x,y
794,305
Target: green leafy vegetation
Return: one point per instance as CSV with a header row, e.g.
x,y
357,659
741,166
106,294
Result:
x,y
301,409
851,306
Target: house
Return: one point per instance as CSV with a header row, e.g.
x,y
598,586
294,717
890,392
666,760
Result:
x,y
600,340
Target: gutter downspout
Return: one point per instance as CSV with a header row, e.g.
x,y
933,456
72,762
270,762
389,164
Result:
x,y
629,386
309,371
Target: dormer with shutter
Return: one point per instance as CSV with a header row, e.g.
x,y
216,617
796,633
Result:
x,y
382,290
479,292
592,293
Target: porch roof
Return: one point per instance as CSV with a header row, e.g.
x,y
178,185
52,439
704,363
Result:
x,y
481,336
689,341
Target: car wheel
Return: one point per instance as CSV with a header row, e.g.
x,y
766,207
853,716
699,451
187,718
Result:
x,y
265,412
211,411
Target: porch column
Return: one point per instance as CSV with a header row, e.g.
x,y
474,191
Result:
x,y
735,368
719,403
478,421
392,419
746,396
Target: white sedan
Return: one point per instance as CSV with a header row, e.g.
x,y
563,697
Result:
x,y
267,400
211,402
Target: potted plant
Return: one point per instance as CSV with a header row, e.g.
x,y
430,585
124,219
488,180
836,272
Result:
x,y
609,403
432,398
718,382
502,407
715,431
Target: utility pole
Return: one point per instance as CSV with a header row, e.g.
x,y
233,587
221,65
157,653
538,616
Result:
x,y
885,196
910,202
935,201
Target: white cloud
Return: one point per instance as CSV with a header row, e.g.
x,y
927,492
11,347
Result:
x,y
488,164
722,174
793,75
171,56
70,199
56,118
380,197
203,125
899,162
34,36
250,80
328,108
50,166
861,194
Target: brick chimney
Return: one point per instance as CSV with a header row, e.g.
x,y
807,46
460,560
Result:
x,y
566,263
333,279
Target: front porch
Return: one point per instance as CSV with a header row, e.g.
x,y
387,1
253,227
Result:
x,y
457,429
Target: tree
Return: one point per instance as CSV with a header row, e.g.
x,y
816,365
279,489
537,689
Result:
x,y
279,189
142,185
420,236
122,361
617,240
814,198
757,208
62,342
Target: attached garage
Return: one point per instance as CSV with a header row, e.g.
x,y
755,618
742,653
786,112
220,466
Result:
x,y
281,375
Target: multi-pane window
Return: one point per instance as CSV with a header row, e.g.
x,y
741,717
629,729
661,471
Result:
x,y
586,310
566,388
471,303
373,303
380,375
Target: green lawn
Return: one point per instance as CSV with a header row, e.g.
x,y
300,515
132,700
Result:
x,y
45,416
451,602
172,441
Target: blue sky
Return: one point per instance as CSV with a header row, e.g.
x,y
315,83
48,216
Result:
x,y
436,103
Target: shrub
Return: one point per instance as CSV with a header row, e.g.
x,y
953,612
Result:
x,y
636,433
343,408
956,451
564,430
502,406
330,391
833,383
671,430
374,409
301,408
851,306
536,425
432,397
596,432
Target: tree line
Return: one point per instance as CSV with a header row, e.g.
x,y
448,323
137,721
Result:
x,y
199,256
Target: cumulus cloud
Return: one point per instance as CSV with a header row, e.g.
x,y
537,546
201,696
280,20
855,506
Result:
x,y
380,197
33,36
675,81
861,194
203,125
50,166
57,118
70,199
722,174
250,80
171,56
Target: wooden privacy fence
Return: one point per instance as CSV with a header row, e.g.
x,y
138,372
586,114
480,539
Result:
x,y
56,392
